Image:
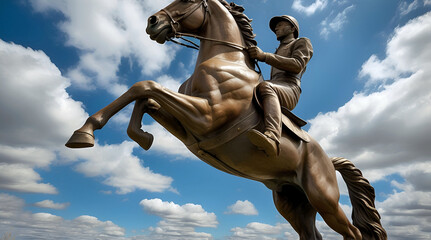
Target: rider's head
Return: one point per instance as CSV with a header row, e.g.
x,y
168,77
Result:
x,y
284,25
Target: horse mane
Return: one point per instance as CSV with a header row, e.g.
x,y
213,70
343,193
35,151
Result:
x,y
244,23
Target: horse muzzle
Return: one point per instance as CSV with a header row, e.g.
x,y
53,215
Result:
x,y
159,28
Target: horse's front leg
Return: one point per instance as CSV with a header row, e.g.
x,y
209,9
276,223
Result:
x,y
144,139
191,110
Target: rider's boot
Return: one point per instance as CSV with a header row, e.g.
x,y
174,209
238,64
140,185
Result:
x,y
269,139
264,141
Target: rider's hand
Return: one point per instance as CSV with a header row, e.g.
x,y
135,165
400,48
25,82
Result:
x,y
256,53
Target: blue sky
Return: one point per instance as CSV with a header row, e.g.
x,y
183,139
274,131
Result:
x,y
366,96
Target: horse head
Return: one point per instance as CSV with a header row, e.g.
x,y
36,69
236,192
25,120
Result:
x,y
180,16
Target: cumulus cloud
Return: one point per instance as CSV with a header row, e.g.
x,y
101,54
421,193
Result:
x,y
262,231
37,114
179,222
363,129
119,168
166,143
242,207
256,230
336,24
317,5
406,211
22,178
51,205
105,33
33,86
384,129
26,225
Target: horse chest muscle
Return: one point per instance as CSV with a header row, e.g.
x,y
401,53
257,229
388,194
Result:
x,y
218,82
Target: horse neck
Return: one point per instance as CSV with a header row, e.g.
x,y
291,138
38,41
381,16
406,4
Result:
x,y
221,26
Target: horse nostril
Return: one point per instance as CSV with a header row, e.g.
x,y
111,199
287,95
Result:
x,y
153,20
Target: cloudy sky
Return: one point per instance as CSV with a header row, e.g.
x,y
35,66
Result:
x,y
366,96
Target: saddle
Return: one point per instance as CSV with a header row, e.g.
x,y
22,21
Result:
x,y
291,122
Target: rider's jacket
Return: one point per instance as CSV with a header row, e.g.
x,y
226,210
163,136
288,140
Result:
x,y
299,49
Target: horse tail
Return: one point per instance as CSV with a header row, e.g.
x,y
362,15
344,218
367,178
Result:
x,y
364,215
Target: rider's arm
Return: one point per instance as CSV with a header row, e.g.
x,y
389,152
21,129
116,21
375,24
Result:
x,y
301,54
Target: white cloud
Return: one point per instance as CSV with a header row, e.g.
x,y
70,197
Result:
x,y
37,115
39,110
32,156
405,8
242,207
119,167
384,129
105,33
262,231
165,143
52,205
363,129
25,225
310,9
331,26
21,178
179,222
407,214
427,2
169,82
40,118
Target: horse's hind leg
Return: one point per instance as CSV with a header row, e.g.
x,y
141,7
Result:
x,y
320,185
293,205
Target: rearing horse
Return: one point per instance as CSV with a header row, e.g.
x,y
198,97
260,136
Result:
x,y
214,109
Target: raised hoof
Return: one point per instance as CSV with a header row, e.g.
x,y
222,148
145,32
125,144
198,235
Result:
x,y
145,140
80,140
263,142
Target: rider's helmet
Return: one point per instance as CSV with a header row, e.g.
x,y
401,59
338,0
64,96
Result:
x,y
273,22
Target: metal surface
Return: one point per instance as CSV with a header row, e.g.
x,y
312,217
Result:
x,y
217,100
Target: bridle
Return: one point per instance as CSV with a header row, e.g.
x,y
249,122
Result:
x,y
187,12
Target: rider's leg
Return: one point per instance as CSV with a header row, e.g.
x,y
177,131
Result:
x,y
294,206
270,139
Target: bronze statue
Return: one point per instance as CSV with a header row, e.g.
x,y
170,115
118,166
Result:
x,y
288,65
214,110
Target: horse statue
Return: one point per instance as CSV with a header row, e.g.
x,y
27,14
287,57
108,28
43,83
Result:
x,y
215,108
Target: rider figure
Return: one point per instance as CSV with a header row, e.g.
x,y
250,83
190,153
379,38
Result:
x,y
288,65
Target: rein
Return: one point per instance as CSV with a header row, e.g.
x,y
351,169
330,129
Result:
x,y
175,22
191,44
195,46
